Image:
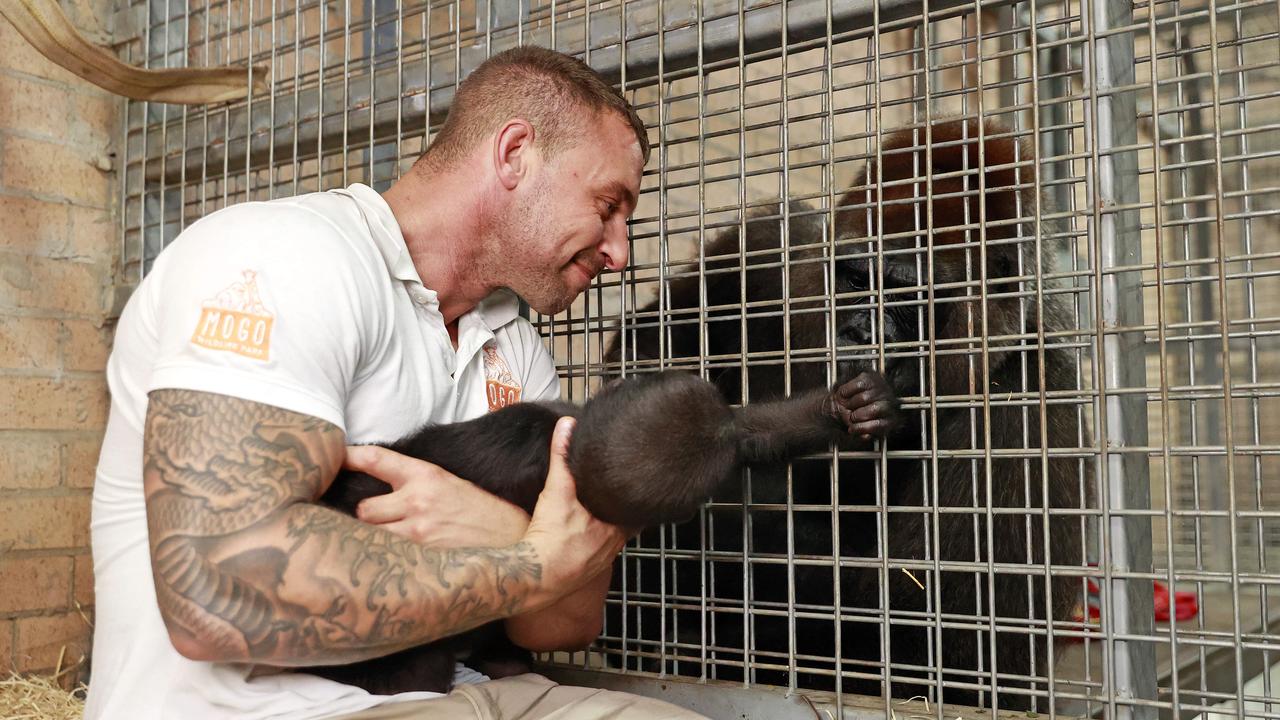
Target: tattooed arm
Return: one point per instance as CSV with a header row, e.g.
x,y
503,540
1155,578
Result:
x,y
248,568
435,508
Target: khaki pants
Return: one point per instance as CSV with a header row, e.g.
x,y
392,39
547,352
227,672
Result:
x,y
528,697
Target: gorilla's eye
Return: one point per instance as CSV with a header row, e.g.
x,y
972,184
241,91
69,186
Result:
x,y
853,281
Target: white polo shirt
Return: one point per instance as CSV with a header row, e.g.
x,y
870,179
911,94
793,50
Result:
x,y
311,304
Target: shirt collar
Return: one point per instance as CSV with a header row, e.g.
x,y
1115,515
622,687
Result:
x,y
386,232
495,311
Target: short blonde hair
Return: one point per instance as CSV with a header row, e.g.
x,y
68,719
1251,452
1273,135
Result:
x,y
559,95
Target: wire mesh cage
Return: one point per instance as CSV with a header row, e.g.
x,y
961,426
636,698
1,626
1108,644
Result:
x,y
1049,222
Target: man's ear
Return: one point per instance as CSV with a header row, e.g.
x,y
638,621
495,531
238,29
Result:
x,y
513,152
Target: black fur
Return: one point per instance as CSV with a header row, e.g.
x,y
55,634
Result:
x,y
909,483
647,450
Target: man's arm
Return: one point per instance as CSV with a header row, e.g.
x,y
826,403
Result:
x,y
247,568
572,623
429,505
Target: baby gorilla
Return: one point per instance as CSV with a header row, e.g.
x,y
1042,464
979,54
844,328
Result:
x,y
647,450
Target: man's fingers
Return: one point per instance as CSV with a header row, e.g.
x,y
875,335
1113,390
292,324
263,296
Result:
x,y
381,509
560,438
388,466
558,475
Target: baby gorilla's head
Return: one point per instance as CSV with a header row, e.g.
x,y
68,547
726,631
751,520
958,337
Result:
x,y
650,449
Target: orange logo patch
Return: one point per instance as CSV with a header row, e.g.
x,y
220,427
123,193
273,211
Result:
x,y
500,385
235,320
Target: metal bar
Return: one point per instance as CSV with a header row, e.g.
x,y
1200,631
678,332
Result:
x,y
663,344
703,585
740,88
345,108
1162,338
933,542
1191,366
984,348
784,178
1223,313
1038,147
829,183
272,93
1251,300
320,104
882,488
1208,369
145,211
296,165
1125,481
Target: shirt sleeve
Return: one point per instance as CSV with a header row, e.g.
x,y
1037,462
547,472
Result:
x,y
267,302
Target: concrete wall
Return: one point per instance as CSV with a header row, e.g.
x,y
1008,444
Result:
x,y
59,244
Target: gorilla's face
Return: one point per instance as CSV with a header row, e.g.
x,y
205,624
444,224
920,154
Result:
x,y
875,309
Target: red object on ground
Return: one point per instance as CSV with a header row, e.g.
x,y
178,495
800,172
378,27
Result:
x,y
1185,604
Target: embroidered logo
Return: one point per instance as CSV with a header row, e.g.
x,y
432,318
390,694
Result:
x,y
235,320
500,385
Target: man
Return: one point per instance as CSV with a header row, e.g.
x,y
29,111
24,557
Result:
x,y
271,335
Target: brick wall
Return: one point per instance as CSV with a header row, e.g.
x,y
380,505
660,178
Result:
x,y
58,252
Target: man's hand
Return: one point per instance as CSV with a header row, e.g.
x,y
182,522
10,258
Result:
x,y
431,506
574,546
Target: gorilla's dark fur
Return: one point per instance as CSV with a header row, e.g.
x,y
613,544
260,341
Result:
x,y
646,450
914,487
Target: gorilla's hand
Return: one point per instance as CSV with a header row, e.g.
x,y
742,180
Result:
x,y
867,406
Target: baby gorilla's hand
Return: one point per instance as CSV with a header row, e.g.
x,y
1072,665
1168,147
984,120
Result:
x,y
866,405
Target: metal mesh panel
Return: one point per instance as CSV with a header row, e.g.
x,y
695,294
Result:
x,y
1138,248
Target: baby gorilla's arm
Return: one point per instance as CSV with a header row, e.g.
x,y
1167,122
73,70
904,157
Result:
x,y
770,432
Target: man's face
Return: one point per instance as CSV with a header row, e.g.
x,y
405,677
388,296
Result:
x,y
568,221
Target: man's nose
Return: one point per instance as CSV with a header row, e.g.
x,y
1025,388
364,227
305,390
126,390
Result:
x,y
615,247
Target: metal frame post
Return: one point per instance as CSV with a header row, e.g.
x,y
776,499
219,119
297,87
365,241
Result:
x,y
1125,473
